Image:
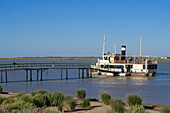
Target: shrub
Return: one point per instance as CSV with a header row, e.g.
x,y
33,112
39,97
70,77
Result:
x,y
57,98
18,105
26,98
60,108
39,92
137,109
1,100
165,110
69,103
20,94
81,94
105,98
8,100
41,100
133,100
1,88
85,103
117,106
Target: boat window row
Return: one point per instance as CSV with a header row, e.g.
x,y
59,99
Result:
x,y
150,66
112,66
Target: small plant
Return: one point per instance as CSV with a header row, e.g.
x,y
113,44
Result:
x,y
165,110
85,103
137,109
133,100
18,105
117,106
69,103
60,108
1,89
81,94
39,92
58,98
8,101
1,100
26,98
105,98
41,100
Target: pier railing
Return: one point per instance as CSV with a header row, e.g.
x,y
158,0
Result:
x,y
44,65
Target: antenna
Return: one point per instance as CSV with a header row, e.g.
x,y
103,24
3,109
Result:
x,y
140,45
104,44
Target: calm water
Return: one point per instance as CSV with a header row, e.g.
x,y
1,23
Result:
x,y
151,89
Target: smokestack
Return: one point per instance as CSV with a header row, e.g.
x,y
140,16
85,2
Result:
x,y
123,51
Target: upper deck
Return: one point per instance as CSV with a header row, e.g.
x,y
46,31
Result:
x,y
127,59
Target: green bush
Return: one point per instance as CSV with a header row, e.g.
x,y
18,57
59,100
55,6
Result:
x,y
133,100
41,100
69,103
105,98
165,110
60,108
39,92
117,106
8,100
81,94
18,105
1,100
1,89
26,98
137,109
85,103
57,98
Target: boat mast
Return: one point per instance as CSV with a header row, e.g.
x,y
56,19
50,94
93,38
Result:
x,y
103,46
140,45
115,48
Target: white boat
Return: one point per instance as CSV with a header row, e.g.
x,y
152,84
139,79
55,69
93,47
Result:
x,y
120,64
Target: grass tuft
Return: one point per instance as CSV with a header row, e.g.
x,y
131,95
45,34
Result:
x,y
105,98
133,100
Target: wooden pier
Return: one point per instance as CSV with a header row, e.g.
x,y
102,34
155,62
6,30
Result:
x,y
41,67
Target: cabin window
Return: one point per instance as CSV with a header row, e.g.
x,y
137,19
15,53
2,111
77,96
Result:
x,y
150,66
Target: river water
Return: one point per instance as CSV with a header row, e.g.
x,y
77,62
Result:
x,y
154,90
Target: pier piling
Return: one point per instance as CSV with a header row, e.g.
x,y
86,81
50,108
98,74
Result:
x,y
66,73
87,72
30,75
41,75
61,74
37,74
82,73
6,77
1,76
27,75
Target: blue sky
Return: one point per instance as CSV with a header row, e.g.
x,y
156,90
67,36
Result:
x,y
76,27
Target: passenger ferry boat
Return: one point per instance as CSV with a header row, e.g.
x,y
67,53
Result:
x,y
120,64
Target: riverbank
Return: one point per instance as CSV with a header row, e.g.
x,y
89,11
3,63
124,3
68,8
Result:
x,y
62,58
51,58
97,106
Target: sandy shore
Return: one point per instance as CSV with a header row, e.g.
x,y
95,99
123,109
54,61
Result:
x,y
99,107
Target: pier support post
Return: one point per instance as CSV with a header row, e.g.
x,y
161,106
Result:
x,y
27,75
78,73
37,74
41,75
82,73
90,73
1,76
6,77
87,72
66,73
30,75
61,74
